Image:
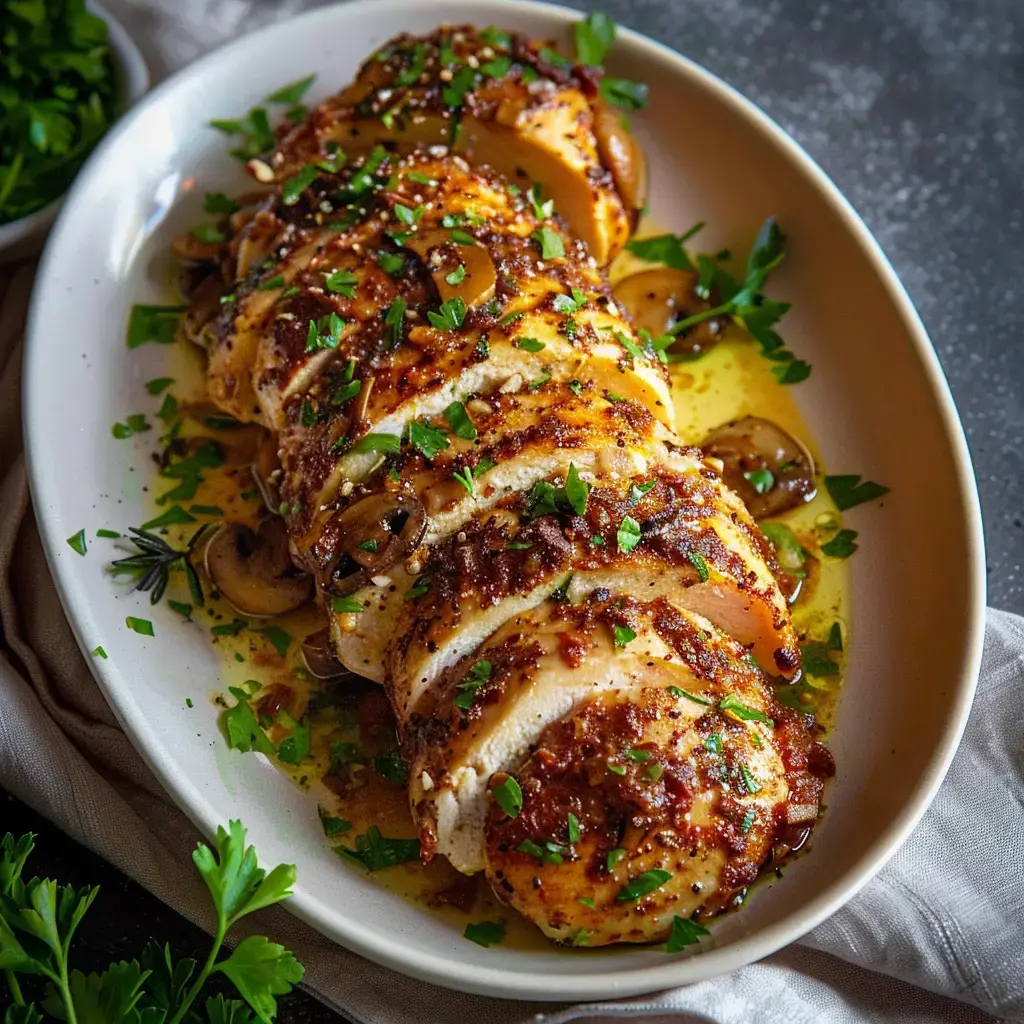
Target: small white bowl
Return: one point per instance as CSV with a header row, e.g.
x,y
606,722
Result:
x,y
22,238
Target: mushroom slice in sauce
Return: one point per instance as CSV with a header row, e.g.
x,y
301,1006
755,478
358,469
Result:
x,y
367,538
765,465
658,299
254,570
318,654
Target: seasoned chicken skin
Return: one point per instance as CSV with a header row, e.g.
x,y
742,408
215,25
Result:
x,y
493,98
576,622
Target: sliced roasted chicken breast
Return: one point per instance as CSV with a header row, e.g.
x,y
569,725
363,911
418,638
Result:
x,y
494,99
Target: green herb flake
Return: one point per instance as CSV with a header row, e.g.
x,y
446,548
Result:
x,y
624,94
451,315
713,744
640,756
593,36
293,187
643,885
550,242
628,535
421,586
788,550
478,676
174,516
573,824
842,545
684,933
613,857
750,783
392,263
208,234
762,480
99,652
77,542
385,444
333,826
529,344
509,797
184,610
153,324
817,659
678,691
700,564
292,93
377,852
141,626
458,420
345,605
732,705
623,635
457,276
427,440
835,637
615,769
110,534
294,748
588,901
485,933
848,491
667,249
280,639
159,384
653,772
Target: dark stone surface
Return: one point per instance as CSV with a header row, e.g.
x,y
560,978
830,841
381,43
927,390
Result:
x,y
915,108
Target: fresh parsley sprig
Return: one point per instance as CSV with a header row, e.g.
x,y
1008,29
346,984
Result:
x,y
39,918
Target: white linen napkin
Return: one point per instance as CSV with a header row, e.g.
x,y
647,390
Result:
x,y
944,921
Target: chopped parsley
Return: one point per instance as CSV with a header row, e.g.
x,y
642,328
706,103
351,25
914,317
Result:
x,y
749,781
77,542
570,304
345,605
542,208
624,94
333,826
700,564
293,92
141,626
427,440
637,491
99,652
272,283
643,885
613,857
391,767
280,639
628,535
550,242
394,320
575,832
529,344
478,676
342,282
546,499
842,545
208,234
485,933
458,420
509,797
421,586
159,384
817,659
593,36
392,263
762,480
848,491
381,443
457,276
153,323
731,704
684,933
218,202
667,249
678,691
244,732
623,635
451,315
376,852
324,333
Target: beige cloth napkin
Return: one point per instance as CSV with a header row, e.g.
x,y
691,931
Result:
x,y
949,923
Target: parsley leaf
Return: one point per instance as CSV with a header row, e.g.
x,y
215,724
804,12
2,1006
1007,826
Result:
x,y
478,675
624,94
570,304
451,315
550,242
458,419
623,635
848,491
376,852
593,37
667,249
684,933
427,440
342,282
485,933
731,703
382,443
643,885
509,797
842,545
628,535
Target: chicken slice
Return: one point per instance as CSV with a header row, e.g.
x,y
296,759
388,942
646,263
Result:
x,y
496,101
640,807
486,713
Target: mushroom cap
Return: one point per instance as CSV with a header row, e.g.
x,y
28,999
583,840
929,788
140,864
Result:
x,y
254,570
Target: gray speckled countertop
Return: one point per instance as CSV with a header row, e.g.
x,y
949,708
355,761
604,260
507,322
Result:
x,y
915,108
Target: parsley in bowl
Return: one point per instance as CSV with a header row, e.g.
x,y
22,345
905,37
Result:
x,y
67,72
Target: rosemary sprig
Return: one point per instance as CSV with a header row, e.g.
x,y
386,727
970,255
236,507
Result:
x,y
153,564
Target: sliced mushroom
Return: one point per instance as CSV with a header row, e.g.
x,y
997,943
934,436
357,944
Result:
x,y
474,283
254,571
658,299
620,153
367,538
320,657
765,465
